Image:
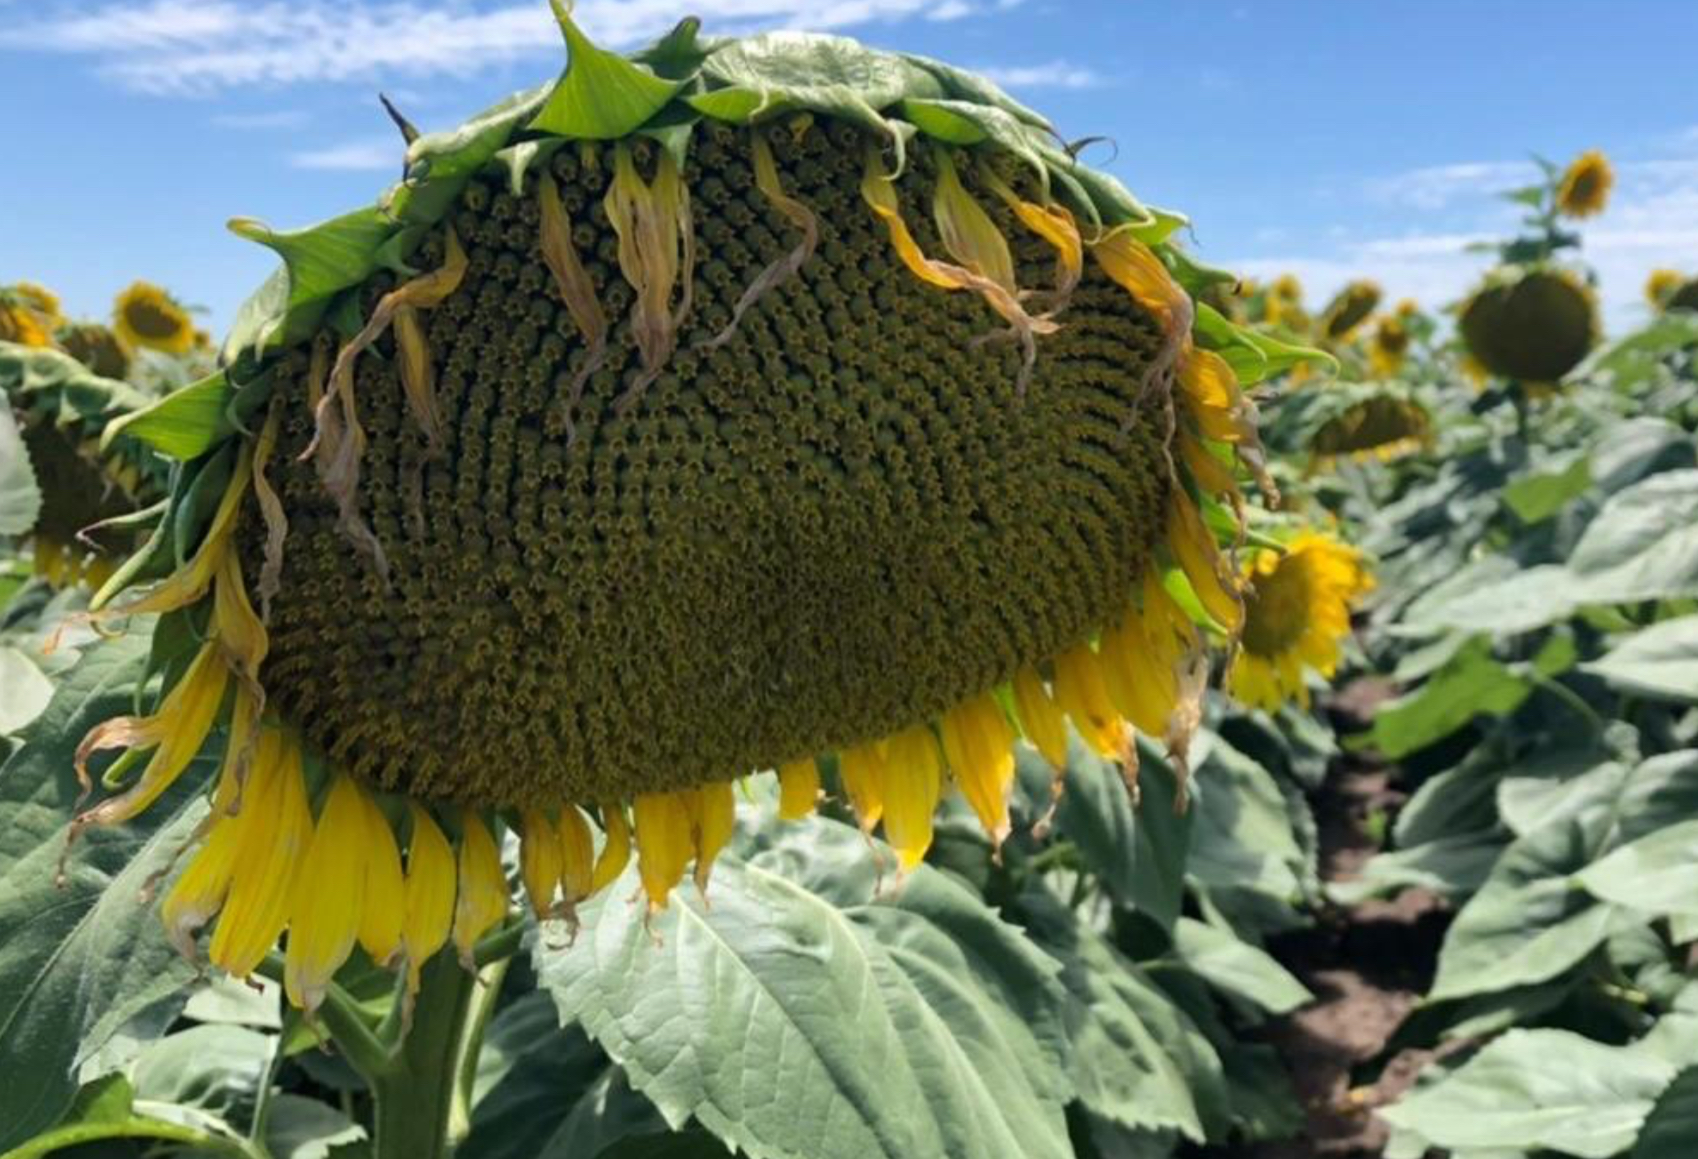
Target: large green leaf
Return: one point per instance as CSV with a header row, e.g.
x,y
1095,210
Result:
x,y
1469,684
1451,867
1657,874
1228,963
185,424
1660,661
24,690
797,1024
1539,1089
20,497
601,96
77,961
1139,853
1241,838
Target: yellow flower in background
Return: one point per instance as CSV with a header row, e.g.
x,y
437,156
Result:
x,y
556,539
1662,285
1297,613
1584,189
1389,345
28,314
1349,308
146,316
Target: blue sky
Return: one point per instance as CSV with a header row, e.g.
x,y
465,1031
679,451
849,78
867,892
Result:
x,y
1326,137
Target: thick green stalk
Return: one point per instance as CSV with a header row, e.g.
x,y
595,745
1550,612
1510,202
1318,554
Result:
x,y
414,1095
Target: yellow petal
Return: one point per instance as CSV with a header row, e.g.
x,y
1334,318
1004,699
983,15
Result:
x,y
798,789
913,782
978,745
968,232
713,817
483,887
430,890
234,622
664,843
862,772
783,268
273,831
577,855
879,192
1042,722
329,894
385,908
418,377
1212,476
1198,554
189,583
577,288
539,859
179,728
652,221
1131,675
200,891
616,851
1081,693
1141,273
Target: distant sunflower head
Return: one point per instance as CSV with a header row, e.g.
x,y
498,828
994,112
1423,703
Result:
x,y
1381,425
1530,325
1388,346
1296,615
145,316
1684,297
1584,188
1349,308
96,347
609,471
28,314
1661,287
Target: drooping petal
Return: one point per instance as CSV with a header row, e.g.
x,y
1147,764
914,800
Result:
x,y
482,902
540,859
199,893
274,829
664,843
778,271
798,789
862,771
384,911
1081,693
713,816
1042,722
577,288
913,783
329,895
577,855
1198,554
430,893
616,851
979,744
656,240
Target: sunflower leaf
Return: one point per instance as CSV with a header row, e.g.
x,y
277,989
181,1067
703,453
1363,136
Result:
x,y
601,96
909,1023
77,961
20,496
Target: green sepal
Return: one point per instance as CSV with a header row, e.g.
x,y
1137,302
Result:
x,y
960,85
200,499
943,121
1105,202
737,106
1251,355
440,164
143,563
518,158
671,130
601,96
318,262
185,424
679,54
989,122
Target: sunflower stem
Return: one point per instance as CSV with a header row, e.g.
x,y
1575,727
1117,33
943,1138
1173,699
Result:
x,y
413,1096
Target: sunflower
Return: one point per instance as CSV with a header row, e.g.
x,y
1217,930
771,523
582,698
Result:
x,y
1349,308
1585,185
806,438
1365,425
1296,612
1389,345
146,316
96,347
1530,325
28,314
1282,303
1684,297
1661,286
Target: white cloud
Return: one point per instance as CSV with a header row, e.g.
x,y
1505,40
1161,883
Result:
x,y
364,154
273,119
1437,186
188,46
1055,74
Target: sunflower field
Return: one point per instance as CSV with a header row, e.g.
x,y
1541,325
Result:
x,y
756,604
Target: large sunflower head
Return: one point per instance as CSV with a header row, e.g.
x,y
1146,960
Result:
x,y
807,408
145,316
28,314
1296,614
1584,188
1349,308
63,408
1531,325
